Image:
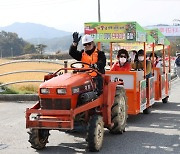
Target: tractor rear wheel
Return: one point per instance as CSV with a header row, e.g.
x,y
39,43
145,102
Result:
x,y
119,112
147,110
38,138
95,133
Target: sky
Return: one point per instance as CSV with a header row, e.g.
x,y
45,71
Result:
x,y
70,15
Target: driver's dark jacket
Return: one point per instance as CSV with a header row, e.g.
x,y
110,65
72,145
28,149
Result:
x,y
101,62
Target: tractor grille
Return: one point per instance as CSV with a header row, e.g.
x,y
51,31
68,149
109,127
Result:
x,y
56,104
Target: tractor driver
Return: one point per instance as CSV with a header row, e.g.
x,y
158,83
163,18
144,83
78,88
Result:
x,y
91,55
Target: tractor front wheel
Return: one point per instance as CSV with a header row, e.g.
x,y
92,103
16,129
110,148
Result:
x,y
38,138
95,133
119,112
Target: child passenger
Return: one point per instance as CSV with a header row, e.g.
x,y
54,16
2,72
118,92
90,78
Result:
x,y
122,64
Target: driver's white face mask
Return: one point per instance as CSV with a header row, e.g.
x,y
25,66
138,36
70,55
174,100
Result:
x,y
140,58
122,60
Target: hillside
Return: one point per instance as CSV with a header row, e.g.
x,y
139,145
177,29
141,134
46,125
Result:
x,y
40,34
54,44
31,30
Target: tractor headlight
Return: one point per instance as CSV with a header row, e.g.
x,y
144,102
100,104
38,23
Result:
x,y
75,90
44,91
61,91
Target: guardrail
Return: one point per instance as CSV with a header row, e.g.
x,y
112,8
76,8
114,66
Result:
x,y
34,97
33,60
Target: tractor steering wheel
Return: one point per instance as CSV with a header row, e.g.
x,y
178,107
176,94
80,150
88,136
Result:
x,y
84,70
79,62
73,65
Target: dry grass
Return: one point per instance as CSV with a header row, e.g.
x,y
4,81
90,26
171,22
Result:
x,y
26,76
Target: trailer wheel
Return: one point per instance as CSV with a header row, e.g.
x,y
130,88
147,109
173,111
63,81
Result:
x,y
38,138
165,100
119,112
95,133
147,110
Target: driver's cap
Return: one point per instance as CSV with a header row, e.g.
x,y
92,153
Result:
x,y
87,39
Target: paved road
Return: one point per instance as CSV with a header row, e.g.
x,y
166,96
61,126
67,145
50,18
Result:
x,y
156,133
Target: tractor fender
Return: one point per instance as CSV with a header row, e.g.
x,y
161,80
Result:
x,y
109,96
112,90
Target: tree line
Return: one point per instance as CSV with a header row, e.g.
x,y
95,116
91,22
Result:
x,y
11,45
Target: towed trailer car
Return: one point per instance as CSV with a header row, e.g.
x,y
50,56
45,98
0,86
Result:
x,y
162,75
140,97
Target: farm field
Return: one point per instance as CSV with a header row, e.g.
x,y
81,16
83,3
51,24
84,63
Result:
x,y
50,67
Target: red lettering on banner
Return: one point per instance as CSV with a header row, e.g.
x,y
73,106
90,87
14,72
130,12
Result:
x,y
168,30
161,29
176,30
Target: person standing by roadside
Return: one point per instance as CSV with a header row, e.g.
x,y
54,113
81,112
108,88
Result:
x,y
177,63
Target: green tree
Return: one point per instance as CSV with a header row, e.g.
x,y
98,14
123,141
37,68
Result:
x,y
12,45
40,48
29,48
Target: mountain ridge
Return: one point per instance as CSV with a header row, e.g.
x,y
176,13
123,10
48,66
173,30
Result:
x,y
56,40
32,30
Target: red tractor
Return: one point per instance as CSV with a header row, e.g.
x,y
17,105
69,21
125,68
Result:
x,y
66,98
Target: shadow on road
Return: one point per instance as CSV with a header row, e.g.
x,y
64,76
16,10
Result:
x,y
158,132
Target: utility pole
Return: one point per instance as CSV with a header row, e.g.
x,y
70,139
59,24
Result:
x,y
11,51
1,52
99,11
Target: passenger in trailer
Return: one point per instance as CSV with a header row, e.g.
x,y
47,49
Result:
x,y
133,56
139,64
157,62
123,63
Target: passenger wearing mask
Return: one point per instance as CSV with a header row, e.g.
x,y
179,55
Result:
x,y
133,56
157,63
139,64
122,64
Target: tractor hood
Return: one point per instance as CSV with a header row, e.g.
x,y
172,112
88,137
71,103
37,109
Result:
x,y
67,79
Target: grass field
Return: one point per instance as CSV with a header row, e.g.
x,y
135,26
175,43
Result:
x,y
32,86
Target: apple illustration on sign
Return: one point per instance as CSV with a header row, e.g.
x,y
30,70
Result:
x,y
90,30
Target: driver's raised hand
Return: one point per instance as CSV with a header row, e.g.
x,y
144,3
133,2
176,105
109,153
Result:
x,y
76,38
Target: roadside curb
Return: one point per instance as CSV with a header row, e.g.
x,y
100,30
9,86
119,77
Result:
x,y
19,97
